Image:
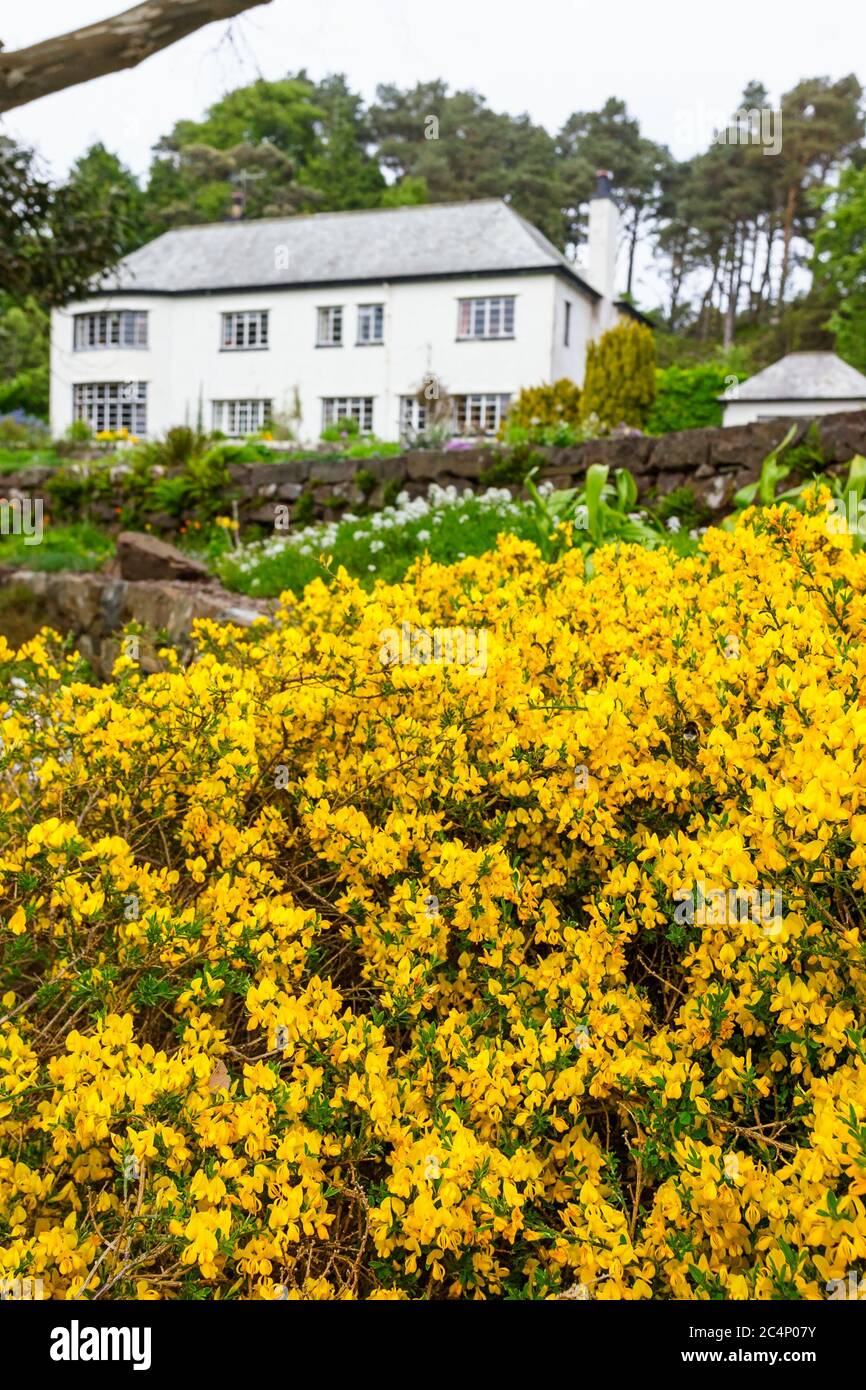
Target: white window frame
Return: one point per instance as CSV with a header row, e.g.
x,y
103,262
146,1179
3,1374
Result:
x,y
336,408
244,330
329,325
371,325
480,412
486,318
111,405
413,416
110,328
246,415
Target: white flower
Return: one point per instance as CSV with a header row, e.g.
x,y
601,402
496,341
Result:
x,y
423,535
673,523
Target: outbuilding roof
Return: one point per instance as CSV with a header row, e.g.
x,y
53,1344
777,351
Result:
x,y
805,376
418,242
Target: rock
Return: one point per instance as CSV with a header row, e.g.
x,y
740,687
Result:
x,y
631,451
842,435
682,452
333,470
141,556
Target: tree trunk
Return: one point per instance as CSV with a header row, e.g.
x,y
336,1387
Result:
x,y
787,236
112,44
632,245
764,285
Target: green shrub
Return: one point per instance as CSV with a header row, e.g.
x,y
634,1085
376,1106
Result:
x,y
512,467
619,382
340,429
79,432
27,390
687,397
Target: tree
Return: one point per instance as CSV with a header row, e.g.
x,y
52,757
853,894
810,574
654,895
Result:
x,y
23,357
822,125
108,181
611,139
619,380
123,41
464,150
840,262
54,239
289,146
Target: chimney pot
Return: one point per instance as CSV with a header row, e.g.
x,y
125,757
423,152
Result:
x,y
604,183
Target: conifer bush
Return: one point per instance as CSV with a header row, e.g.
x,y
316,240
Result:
x,y
620,378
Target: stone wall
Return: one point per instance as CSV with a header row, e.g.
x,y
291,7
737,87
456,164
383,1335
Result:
x,y
714,462
93,608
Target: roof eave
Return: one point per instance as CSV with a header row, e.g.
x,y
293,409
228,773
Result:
x,y
258,288
786,400
628,308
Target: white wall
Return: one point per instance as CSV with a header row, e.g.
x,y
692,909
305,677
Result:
x,y
747,412
183,364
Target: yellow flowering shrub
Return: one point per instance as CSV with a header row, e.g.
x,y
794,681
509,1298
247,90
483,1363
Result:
x,y
328,977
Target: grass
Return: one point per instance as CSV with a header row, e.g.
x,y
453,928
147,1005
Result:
x,y
14,460
78,546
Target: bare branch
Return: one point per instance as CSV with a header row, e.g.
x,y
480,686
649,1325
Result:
x,y
112,44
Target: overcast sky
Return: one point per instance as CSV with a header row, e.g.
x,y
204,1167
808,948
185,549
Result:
x,y
681,65
675,62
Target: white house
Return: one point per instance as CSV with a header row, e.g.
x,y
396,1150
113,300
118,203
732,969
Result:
x,y
802,383
336,314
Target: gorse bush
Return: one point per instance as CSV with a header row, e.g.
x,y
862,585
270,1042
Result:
x,y
619,380
333,969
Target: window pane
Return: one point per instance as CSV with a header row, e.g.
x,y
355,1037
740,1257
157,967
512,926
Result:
x,y
493,322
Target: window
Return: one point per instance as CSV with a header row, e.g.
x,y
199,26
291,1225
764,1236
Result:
x,y
360,408
112,405
413,416
566,332
486,318
371,324
245,329
124,328
330,326
480,413
241,417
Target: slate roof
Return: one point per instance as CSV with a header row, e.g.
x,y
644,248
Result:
x,y
424,242
805,376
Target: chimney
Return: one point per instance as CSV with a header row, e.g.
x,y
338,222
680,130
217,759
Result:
x,y
603,238
236,211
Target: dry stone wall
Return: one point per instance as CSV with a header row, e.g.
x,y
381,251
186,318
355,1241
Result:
x,y
714,462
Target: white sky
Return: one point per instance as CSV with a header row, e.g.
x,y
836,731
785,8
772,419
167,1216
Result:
x,y
679,64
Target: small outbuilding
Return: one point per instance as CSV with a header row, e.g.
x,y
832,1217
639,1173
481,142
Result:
x,y
802,383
